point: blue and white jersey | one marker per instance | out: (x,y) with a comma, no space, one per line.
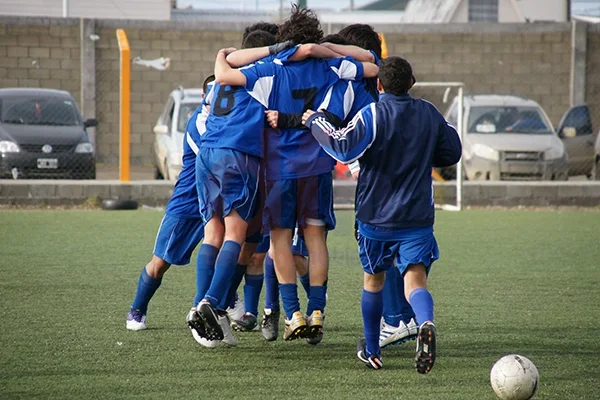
(237,120)
(346,98)
(397,141)
(184,201)
(291,153)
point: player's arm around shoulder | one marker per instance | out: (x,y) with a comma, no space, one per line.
(347,144)
(448,148)
(224,74)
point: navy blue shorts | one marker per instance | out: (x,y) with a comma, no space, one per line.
(227,180)
(177,238)
(298,245)
(417,247)
(299,202)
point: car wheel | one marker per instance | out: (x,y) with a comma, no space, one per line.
(158,174)
(116,204)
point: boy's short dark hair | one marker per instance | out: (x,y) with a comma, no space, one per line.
(260,26)
(363,36)
(301,27)
(258,39)
(208,80)
(335,39)
(395,75)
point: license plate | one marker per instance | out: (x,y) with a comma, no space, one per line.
(47,163)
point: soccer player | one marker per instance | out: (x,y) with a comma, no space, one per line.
(227,174)
(397,142)
(181,228)
(299,187)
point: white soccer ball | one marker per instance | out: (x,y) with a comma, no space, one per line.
(514,377)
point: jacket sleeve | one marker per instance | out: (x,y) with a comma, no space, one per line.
(350,143)
(448,149)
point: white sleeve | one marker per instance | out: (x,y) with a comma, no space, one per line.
(354,167)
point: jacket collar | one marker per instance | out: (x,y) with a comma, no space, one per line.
(402,97)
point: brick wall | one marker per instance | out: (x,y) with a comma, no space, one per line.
(531,60)
(54,49)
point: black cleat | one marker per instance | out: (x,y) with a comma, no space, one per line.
(270,325)
(245,324)
(425,357)
(208,313)
(372,361)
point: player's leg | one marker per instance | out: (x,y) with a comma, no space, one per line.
(280,217)
(398,324)
(270,321)
(417,253)
(254,278)
(376,257)
(316,218)
(300,253)
(231,302)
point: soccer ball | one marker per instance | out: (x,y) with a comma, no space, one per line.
(514,377)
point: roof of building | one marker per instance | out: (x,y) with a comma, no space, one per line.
(379,5)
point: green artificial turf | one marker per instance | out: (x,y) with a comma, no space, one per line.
(507,282)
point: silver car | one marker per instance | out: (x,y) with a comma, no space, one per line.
(509,138)
(170,131)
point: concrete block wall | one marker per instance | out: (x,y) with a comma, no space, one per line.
(593,74)
(53,46)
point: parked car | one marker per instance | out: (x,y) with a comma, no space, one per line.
(596,166)
(576,132)
(170,131)
(42,135)
(508,138)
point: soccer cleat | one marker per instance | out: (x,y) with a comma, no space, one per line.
(390,335)
(136,321)
(212,328)
(237,311)
(371,361)
(246,323)
(225,323)
(269,327)
(315,323)
(425,354)
(196,326)
(295,328)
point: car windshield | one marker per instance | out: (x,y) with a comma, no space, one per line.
(185,112)
(39,111)
(501,119)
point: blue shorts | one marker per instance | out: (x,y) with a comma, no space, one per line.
(177,238)
(227,180)
(298,245)
(299,202)
(418,246)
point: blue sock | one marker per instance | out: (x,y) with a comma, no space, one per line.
(405,308)
(146,288)
(224,271)
(422,303)
(229,300)
(305,281)
(271,285)
(252,290)
(317,299)
(289,296)
(372,309)
(205,268)
(391,298)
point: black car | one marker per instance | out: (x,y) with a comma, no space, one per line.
(42,135)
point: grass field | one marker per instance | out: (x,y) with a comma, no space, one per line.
(507,282)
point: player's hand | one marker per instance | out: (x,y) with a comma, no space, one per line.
(227,50)
(355,175)
(272,117)
(307,115)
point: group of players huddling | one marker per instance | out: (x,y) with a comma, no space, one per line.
(256,189)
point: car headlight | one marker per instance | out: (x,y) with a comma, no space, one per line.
(553,153)
(483,151)
(8,147)
(84,148)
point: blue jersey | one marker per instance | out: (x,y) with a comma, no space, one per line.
(237,119)
(184,201)
(291,153)
(346,98)
(397,141)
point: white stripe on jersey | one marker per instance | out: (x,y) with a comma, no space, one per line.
(326,100)
(191,143)
(201,121)
(262,90)
(348,100)
(347,70)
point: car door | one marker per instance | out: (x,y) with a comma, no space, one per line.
(163,139)
(575,131)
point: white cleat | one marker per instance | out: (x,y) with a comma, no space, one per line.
(396,335)
(136,321)
(237,311)
(225,324)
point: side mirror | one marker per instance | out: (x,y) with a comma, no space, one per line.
(161,129)
(90,123)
